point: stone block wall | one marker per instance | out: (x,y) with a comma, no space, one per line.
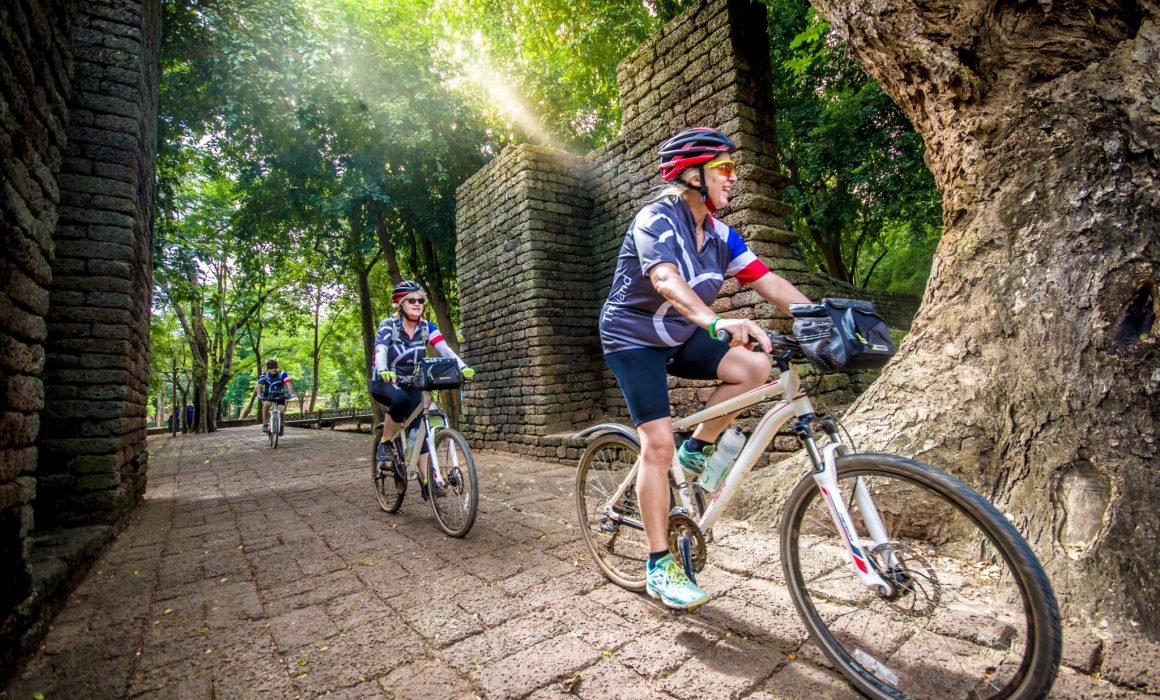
(529,335)
(35,81)
(78,109)
(92,448)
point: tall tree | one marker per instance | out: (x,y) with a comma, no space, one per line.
(1033,369)
(854,163)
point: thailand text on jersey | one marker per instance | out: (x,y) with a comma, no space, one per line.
(636,315)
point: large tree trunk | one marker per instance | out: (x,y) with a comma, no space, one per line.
(1032,368)
(368,326)
(316,349)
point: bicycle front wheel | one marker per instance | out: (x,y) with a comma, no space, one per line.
(456,506)
(971,614)
(389,487)
(613,532)
(275,428)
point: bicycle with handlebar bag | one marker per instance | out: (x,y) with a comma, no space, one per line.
(449,480)
(910,582)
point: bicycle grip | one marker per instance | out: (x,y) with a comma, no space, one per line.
(724,336)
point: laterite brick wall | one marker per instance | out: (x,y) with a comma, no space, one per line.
(78,109)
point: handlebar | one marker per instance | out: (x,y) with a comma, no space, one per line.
(785,347)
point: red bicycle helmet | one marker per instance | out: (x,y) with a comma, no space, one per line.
(695,146)
(402,289)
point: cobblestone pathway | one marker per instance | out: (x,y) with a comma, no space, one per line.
(250,572)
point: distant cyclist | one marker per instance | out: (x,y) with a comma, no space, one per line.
(673,262)
(400,343)
(273,387)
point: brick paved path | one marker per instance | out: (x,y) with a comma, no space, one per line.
(250,572)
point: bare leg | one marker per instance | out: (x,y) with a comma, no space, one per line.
(740,371)
(265,415)
(652,482)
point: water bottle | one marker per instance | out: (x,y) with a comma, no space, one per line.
(728,447)
(412,435)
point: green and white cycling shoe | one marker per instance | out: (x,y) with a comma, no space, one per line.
(667,581)
(693,462)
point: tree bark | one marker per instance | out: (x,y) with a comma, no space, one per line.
(256,344)
(315,347)
(1032,369)
(368,327)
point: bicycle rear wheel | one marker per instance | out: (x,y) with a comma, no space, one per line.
(613,532)
(972,613)
(456,506)
(389,487)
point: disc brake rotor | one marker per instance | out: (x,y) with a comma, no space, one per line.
(917,590)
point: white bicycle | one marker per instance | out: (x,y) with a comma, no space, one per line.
(449,481)
(911,583)
(276,422)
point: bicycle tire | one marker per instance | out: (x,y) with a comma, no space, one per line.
(938,521)
(389,489)
(275,427)
(462,484)
(602,468)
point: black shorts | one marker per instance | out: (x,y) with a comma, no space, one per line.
(642,373)
(399,402)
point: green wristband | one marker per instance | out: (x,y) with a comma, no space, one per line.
(713,327)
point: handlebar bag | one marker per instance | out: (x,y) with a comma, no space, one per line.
(434,373)
(861,339)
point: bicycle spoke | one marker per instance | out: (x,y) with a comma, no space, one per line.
(612,531)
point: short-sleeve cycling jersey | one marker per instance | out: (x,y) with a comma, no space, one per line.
(403,351)
(636,315)
(273,387)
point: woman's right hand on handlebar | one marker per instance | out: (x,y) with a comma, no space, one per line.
(743,332)
(389,376)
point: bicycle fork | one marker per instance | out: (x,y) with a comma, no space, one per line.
(433,459)
(826,477)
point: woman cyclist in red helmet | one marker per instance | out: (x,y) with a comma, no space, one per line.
(657,321)
(401,341)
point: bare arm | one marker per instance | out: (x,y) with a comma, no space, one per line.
(778,291)
(668,281)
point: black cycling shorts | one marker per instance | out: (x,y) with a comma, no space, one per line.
(642,373)
(398,401)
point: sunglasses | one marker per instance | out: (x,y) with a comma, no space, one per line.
(420,301)
(727,167)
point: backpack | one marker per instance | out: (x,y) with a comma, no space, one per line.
(396,334)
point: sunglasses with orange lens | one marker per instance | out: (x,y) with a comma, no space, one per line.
(727,167)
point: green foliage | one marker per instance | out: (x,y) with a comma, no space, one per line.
(549,66)
(861,193)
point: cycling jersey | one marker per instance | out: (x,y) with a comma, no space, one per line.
(636,315)
(273,387)
(397,351)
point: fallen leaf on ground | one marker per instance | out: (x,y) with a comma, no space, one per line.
(570,682)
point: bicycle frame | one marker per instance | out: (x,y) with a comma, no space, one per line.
(793,404)
(415,450)
(281,409)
